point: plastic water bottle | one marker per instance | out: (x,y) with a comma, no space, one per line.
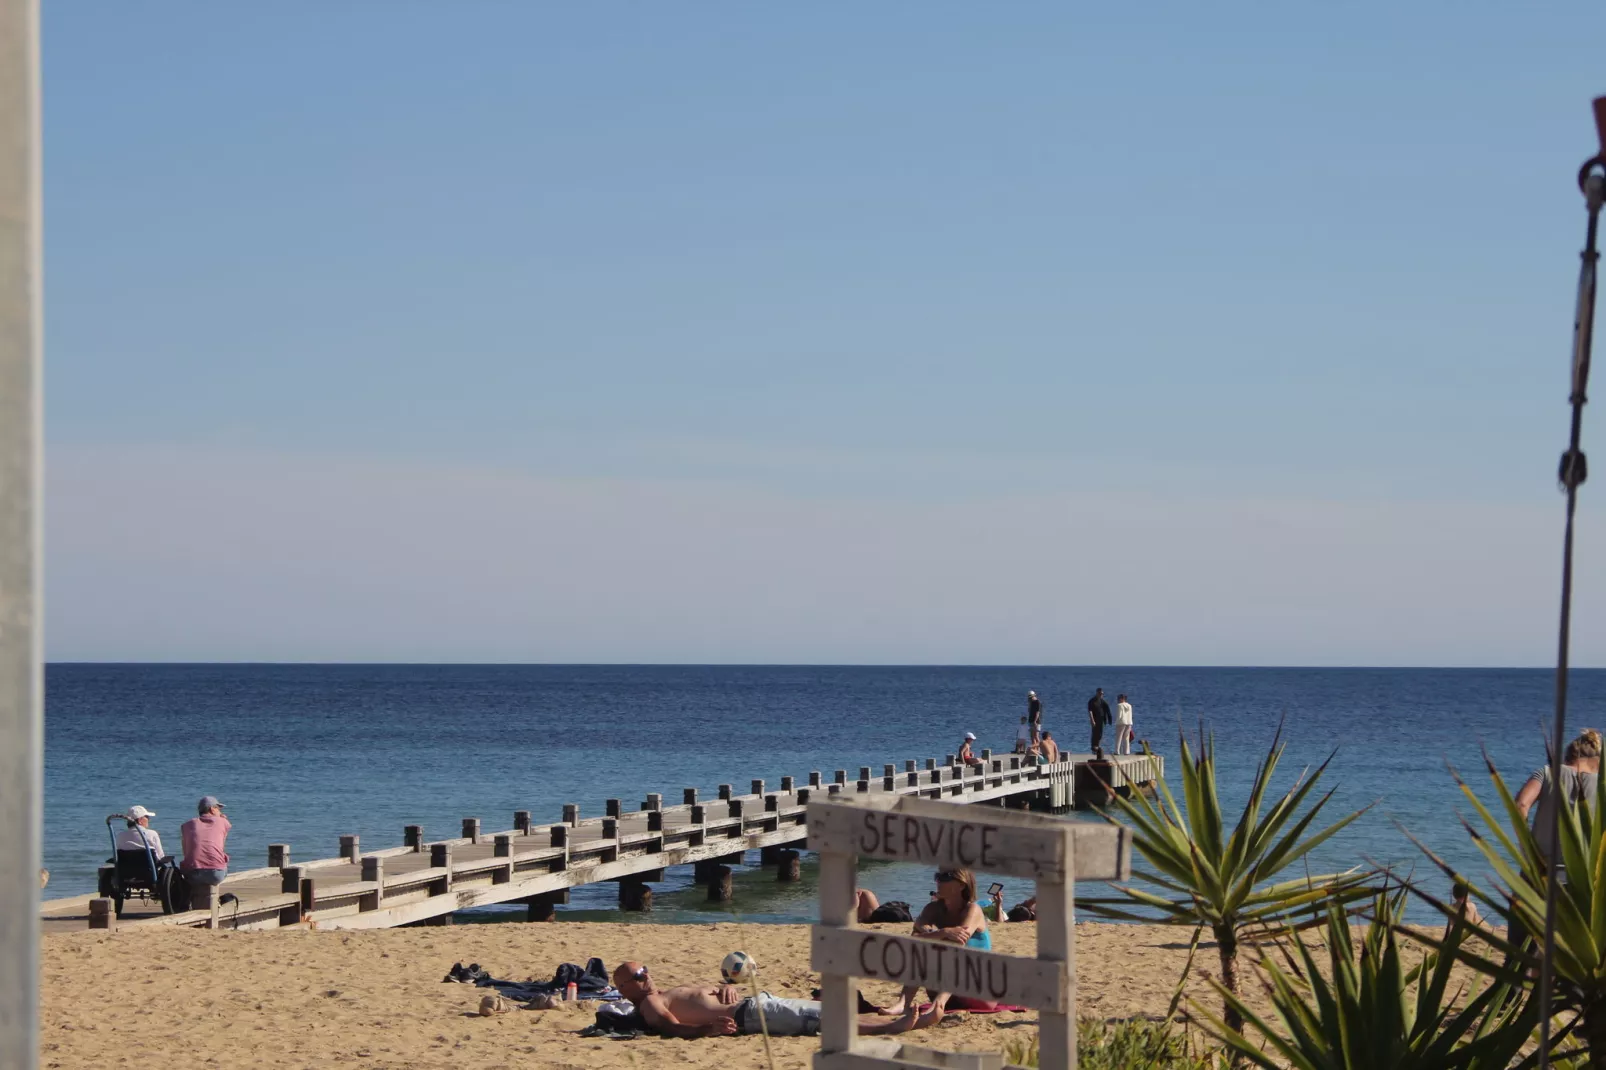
(571,992)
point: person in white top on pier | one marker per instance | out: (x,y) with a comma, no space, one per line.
(1023,737)
(1123,725)
(139,834)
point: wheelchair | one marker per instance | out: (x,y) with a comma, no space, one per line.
(139,874)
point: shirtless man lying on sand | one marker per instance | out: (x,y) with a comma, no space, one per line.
(691,1011)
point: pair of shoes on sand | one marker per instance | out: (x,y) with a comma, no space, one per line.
(466,975)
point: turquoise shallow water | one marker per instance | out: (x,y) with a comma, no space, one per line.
(304,753)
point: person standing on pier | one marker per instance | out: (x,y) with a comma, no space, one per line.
(205,863)
(1098,715)
(1123,725)
(1034,715)
(1025,736)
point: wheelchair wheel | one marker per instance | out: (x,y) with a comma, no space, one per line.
(173,891)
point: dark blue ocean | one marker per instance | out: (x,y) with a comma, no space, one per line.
(303,753)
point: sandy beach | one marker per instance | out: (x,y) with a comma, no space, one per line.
(308,999)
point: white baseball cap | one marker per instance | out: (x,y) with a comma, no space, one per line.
(137,812)
(970,735)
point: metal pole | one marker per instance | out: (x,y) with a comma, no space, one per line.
(21,680)
(1574,470)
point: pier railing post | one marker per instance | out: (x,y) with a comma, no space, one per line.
(758,788)
(814,779)
(471,829)
(373,871)
(787,785)
(613,808)
(571,814)
(688,796)
(351,849)
(521,821)
(413,836)
(724,792)
(653,801)
(278,855)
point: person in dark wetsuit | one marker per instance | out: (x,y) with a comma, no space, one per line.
(1098,715)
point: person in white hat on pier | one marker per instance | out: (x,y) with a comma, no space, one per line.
(139,834)
(966,755)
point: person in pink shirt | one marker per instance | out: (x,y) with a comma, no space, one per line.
(205,863)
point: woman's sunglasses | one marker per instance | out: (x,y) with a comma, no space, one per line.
(946,875)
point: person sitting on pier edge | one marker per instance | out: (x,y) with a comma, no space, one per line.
(1046,750)
(1023,736)
(691,1011)
(1098,715)
(952,916)
(139,835)
(206,862)
(966,756)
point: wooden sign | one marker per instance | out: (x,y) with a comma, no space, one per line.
(941,967)
(925,832)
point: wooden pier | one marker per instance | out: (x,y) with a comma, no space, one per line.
(426,881)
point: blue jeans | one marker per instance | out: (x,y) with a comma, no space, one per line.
(203,886)
(782,1017)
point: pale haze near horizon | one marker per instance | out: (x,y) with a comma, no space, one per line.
(841,335)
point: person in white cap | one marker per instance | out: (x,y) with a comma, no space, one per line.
(139,834)
(966,756)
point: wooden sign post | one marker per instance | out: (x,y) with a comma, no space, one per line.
(1052,852)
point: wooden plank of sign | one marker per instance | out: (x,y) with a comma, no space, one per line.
(878,1054)
(940,966)
(926,832)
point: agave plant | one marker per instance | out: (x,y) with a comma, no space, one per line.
(1222,881)
(1520,867)
(1372,1011)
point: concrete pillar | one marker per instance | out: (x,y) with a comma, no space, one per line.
(471,829)
(351,849)
(278,855)
(100,913)
(787,784)
(521,821)
(688,796)
(613,808)
(571,814)
(724,791)
(413,836)
(758,788)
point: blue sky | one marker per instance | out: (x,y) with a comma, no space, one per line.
(897,332)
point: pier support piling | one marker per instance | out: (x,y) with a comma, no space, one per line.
(635,896)
(719,887)
(789,867)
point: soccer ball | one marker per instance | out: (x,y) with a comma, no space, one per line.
(737,967)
